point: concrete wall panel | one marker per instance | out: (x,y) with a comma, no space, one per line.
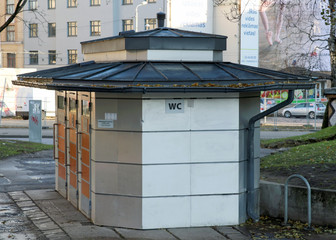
(214,178)
(118,179)
(166,180)
(165,147)
(214,210)
(166,212)
(214,146)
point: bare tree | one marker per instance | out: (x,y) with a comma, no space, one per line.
(18,8)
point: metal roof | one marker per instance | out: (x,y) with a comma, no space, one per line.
(166,38)
(159,76)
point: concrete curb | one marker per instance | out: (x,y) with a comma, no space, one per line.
(323,203)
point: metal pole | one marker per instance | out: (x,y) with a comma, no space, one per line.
(136,14)
(3,100)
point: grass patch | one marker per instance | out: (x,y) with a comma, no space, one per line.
(322,135)
(10,148)
(315,153)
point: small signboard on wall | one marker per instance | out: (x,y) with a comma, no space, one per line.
(35,121)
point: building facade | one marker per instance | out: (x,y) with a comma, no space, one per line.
(54,29)
(11,39)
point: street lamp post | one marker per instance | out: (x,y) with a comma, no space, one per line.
(136,13)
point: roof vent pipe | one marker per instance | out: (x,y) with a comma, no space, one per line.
(161,16)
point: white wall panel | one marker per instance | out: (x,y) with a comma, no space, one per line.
(214,146)
(110,146)
(165,147)
(120,179)
(166,212)
(214,114)
(214,210)
(155,117)
(166,180)
(117,211)
(215,178)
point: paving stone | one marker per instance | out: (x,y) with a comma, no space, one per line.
(78,231)
(201,233)
(49,225)
(4,198)
(227,230)
(25,204)
(43,194)
(38,217)
(144,234)
(19,196)
(237,236)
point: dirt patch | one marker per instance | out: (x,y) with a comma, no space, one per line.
(318,175)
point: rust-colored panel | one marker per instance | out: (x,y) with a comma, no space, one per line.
(73,180)
(86,189)
(85,173)
(61,171)
(72,134)
(73,149)
(85,157)
(73,164)
(61,130)
(61,158)
(85,140)
(72,120)
(61,144)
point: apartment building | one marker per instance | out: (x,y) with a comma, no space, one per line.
(54,29)
(11,39)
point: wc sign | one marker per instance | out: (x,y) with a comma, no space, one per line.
(175,106)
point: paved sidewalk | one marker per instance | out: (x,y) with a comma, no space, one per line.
(56,218)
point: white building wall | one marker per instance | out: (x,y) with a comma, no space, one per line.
(157,169)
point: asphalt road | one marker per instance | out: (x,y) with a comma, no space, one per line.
(28,171)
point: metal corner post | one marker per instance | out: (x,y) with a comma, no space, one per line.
(251,191)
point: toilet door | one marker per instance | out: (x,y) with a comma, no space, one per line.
(72,147)
(84,149)
(60,144)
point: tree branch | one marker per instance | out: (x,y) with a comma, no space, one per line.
(18,8)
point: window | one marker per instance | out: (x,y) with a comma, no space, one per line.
(11,60)
(10,6)
(94,2)
(60,102)
(72,29)
(52,57)
(85,108)
(127,24)
(10,33)
(94,28)
(51,4)
(72,105)
(151,1)
(33,30)
(32,4)
(72,3)
(150,23)
(51,29)
(127,2)
(72,56)
(33,57)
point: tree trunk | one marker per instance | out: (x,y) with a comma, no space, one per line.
(332,42)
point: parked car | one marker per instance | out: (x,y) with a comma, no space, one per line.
(269,103)
(305,109)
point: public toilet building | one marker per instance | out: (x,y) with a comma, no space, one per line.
(155,130)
